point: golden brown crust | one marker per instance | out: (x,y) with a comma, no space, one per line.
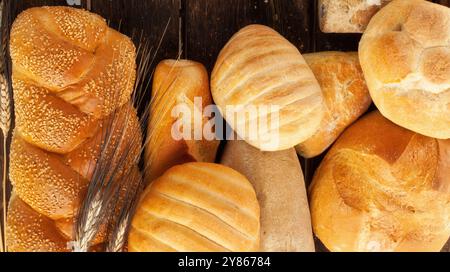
(176,82)
(197,207)
(28,230)
(259,67)
(87,64)
(280,188)
(405,56)
(72,79)
(345,93)
(382,188)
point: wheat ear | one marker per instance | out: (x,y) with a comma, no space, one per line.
(5,123)
(89,232)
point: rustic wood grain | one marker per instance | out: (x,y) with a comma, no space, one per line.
(148,17)
(209,24)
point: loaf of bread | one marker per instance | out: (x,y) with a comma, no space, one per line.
(197,207)
(347,16)
(176,83)
(72,80)
(405,57)
(382,188)
(265,90)
(346,97)
(278,181)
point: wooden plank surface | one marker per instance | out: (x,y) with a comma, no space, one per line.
(209,24)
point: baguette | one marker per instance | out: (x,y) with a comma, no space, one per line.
(177,82)
(278,181)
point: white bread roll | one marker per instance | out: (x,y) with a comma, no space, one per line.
(197,207)
(278,181)
(405,57)
(382,188)
(258,67)
(346,97)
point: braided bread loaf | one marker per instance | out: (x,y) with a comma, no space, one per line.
(72,80)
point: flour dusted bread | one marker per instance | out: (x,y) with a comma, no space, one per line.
(197,207)
(72,80)
(178,83)
(259,68)
(278,181)
(405,56)
(345,93)
(347,16)
(382,188)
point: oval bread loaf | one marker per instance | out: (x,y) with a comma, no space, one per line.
(259,68)
(197,207)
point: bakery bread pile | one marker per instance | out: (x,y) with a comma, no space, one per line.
(72,78)
(384,182)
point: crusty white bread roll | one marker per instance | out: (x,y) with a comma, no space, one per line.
(382,188)
(405,56)
(258,67)
(347,16)
(345,93)
(177,82)
(72,80)
(280,188)
(197,207)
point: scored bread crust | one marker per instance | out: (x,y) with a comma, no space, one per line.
(382,188)
(258,67)
(197,207)
(176,83)
(405,57)
(345,93)
(72,80)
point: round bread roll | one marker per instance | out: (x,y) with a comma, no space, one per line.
(405,56)
(382,188)
(197,207)
(346,97)
(277,102)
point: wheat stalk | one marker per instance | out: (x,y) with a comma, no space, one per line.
(5,125)
(88,231)
(116,243)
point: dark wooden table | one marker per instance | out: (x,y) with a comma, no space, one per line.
(198,29)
